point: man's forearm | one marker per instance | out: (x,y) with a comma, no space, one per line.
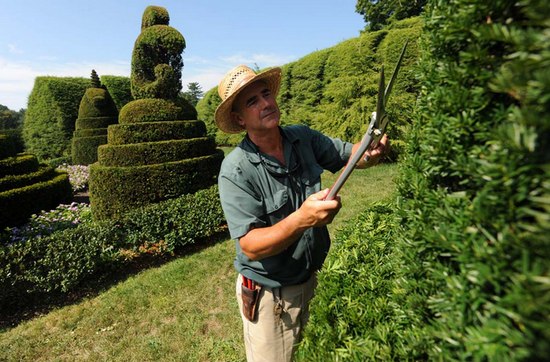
(264,242)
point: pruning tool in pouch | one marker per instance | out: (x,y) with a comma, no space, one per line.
(376,129)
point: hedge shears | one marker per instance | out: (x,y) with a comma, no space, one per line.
(376,129)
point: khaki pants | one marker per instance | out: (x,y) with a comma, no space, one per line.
(282,314)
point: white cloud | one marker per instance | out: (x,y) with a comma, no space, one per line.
(17,78)
(13,49)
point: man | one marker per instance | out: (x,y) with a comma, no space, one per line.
(271,195)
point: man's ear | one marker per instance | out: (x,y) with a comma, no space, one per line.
(236,118)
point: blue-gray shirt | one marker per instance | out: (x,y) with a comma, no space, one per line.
(257,191)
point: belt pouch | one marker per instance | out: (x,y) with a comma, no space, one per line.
(250,301)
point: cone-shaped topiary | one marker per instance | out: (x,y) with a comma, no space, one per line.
(27,187)
(97,110)
(158,150)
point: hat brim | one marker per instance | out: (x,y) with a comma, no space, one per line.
(271,77)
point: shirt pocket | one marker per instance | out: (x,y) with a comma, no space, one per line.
(312,179)
(275,204)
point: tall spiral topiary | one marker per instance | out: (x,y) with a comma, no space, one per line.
(27,187)
(97,111)
(158,150)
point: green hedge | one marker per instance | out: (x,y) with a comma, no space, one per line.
(470,255)
(154,131)
(16,205)
(361,309)
(18,165)
(51,113)
(84,149)
(115,190)
(119,89)
(156,110)
(334,90)
(148,153)
(94,122)
(90,132)
(64,260)
(44,173)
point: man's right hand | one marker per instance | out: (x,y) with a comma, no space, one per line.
(316,211)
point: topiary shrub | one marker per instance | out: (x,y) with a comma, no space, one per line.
(97,110)
(26,187)
(158,150)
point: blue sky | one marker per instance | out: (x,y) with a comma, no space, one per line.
(72,37)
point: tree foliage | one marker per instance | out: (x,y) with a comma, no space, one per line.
(193,94)
(378,13)
(10,119)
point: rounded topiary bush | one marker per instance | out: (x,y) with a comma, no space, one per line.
(156,110)
(97,110)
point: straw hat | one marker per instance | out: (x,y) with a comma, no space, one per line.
(234,82)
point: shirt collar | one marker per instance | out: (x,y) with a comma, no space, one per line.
(252,151)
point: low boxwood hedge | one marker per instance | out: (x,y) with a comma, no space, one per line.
(17,204)
(16,181)
(62,261)
(20,164)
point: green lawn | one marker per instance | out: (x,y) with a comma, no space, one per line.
(184,310)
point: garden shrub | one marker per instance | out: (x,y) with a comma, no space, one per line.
(27,187)
(119,89)
(96,112)
(145,162)
(469,276)
(71,248)
(50,117)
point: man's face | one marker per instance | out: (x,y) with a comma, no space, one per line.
(256,109)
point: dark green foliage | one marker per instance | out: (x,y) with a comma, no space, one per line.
(60,262)
(18,165)
(43,173)
(86,123)
(148,153)
(379,13)
(84,148)
(95,82)
(15,141)
(119,89)
(96,112)
(154,131)
(10,119)
(146,162)
(115,190)
(16,205)
(362,307)
(156,110)
(156,59)
(51,114)
(468,273)
(193,94)
(334,90)
(206,108)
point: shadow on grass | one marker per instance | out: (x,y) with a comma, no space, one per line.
(40,304)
